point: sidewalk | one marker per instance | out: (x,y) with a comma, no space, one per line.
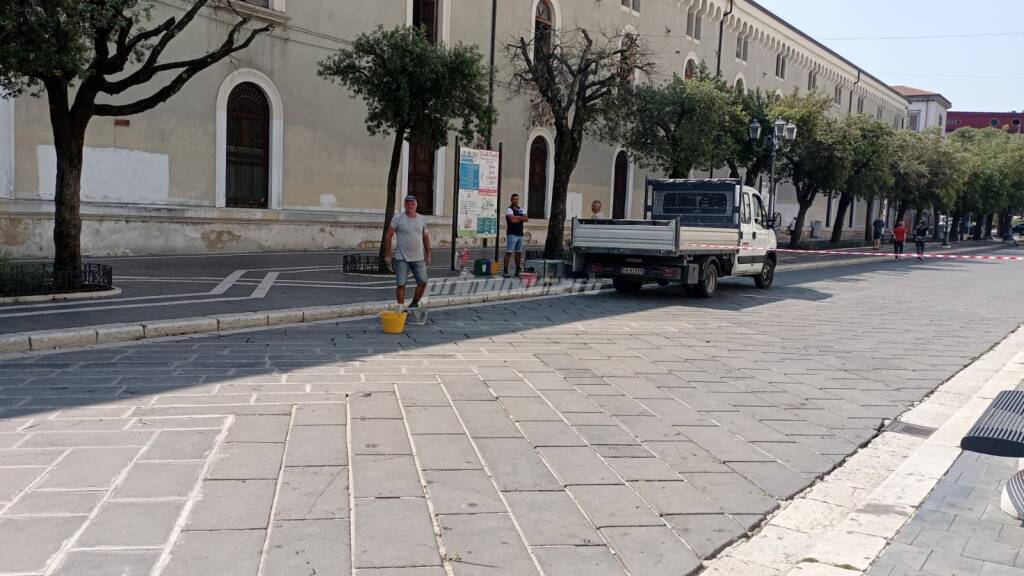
(910,503)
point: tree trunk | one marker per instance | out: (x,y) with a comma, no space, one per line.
(901,213)
(567,151)
(936,234)
(798,227)
(389,206)
(68,143)
(869,221)
(979,227)
(987,232)
(837,228)
(734,170)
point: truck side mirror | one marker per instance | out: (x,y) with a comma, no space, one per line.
(777,221)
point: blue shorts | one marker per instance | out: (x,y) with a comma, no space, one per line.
(513,243)
(419,271)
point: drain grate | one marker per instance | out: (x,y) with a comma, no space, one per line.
(909,429)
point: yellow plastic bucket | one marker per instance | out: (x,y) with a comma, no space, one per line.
(392,322)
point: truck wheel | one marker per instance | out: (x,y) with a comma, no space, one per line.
(625,286)
(707,285)
(766,277)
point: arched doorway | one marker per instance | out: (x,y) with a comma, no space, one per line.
(620,185)
(537,179)
(690,70)
(248,147)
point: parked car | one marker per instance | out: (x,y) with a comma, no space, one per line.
(1019,229)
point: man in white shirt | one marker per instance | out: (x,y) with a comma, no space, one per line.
(595,211)
(412,251)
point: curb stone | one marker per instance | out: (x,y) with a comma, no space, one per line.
(78,337)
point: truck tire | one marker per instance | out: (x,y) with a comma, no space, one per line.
(766,277)
(707,284)
(626,286)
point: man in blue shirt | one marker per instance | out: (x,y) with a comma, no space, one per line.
(514,218)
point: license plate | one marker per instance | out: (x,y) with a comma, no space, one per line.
(632,271)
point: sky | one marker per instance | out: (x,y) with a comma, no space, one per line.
(973,54)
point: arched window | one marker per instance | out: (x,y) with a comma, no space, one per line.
(740,87)
(537,178)
(248,147)
(780,66)
(543,26)
(620,185)
(812,81)
(838,96)
(690,70)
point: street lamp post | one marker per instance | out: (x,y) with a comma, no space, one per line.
(781,131)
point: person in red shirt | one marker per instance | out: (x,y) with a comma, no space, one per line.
(899,238)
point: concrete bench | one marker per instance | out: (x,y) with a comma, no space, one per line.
(999,431)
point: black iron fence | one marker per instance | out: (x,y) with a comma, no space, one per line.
(35,278)
(364,264)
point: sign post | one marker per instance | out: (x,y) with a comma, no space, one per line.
(498,215)
(475,205)
(455,206)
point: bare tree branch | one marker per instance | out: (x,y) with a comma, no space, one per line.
(191,69)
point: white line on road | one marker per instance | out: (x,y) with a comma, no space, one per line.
(226,284)
(265,285)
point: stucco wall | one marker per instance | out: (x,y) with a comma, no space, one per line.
(328,164)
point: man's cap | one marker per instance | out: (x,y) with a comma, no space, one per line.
(409,198)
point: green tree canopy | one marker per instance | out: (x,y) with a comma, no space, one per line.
(413,90)
(678,126)
(871,144)
(820,159)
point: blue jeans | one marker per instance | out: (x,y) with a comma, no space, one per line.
(513,243)
(419,271)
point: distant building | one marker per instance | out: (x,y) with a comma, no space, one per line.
(927,109)
(1009,121)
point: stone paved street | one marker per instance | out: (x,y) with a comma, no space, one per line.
(576,435)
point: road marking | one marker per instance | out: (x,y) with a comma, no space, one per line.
(226,284)
(265,285)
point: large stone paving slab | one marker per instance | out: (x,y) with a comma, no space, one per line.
(584,435)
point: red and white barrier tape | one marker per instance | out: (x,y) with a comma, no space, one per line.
(878,254)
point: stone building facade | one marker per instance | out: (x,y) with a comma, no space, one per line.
(259,154)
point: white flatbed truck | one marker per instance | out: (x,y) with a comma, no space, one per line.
(694,232)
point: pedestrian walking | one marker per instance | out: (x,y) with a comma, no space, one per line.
(878,227)
(899,238)
(920,237)
(411,252)
(791,227)
(514,218)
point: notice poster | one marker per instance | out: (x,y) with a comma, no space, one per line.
(478,193)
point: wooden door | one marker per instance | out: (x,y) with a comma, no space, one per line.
(421,176)
(620,190)
(248,148)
